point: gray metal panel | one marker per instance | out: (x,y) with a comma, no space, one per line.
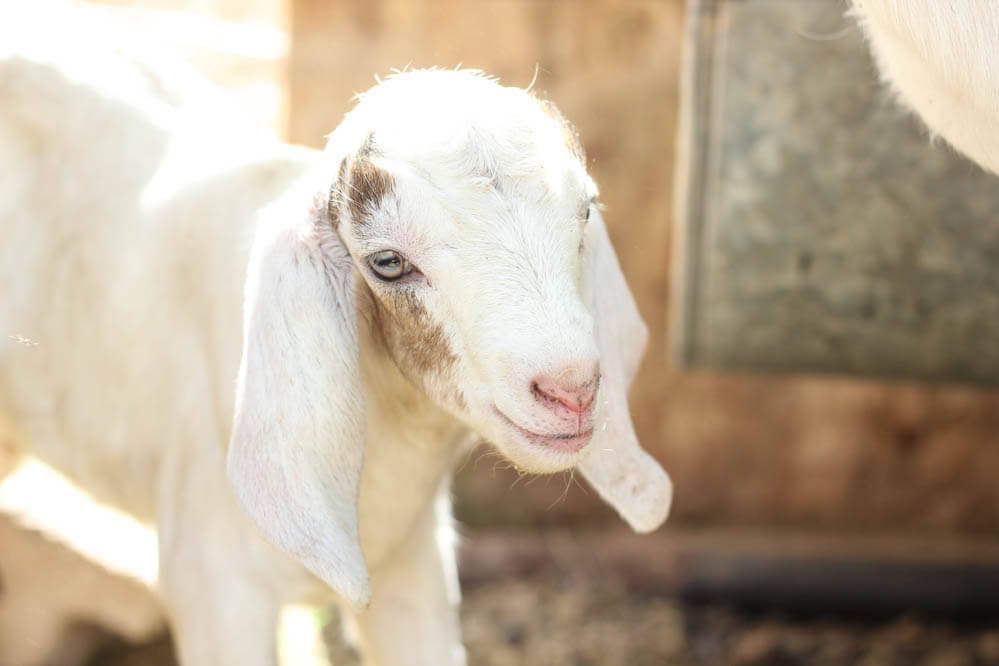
(818,228)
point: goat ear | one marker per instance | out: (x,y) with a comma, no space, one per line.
(296,453)
(624,475)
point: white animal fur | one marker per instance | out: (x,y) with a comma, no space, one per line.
(45,587)
(942,59)
(138,229)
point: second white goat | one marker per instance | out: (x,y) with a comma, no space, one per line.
(942,60)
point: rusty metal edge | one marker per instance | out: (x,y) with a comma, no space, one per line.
(691,177)
(812,572)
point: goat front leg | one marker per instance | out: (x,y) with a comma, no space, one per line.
(215,573)
(413,616)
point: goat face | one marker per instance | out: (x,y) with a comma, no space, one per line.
(467,220)
(457,217)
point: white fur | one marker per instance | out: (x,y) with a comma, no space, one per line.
(45,587)
(942,58)
(143,232)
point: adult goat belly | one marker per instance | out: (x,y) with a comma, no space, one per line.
(942,60)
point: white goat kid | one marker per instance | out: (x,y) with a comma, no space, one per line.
(439,274)
(942,59)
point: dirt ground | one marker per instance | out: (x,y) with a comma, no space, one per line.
(559,618)
(556,618)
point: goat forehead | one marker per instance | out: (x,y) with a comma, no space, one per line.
(463,120)
(455,224)
(448,106)
(470,166)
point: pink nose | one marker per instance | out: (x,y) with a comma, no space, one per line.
(569,393)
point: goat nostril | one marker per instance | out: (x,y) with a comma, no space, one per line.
(575,397)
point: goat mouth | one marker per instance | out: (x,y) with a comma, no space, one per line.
(563,442)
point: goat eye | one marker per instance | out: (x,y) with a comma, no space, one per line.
(586,218)
(389,264)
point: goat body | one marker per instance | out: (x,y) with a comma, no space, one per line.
(942,60)
(142,229)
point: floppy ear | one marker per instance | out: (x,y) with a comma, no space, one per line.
(624,475)
(295,457)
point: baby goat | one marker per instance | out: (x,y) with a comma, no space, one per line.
(440,274)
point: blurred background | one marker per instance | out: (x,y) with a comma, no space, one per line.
(821,287)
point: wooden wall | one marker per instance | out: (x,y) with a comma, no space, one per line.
(775,450)
(241,45)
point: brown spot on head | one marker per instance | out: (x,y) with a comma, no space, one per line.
(415,342)
(367,185)
(360,186)
(335,201)
(569,133)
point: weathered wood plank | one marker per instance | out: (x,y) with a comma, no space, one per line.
(822,230)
